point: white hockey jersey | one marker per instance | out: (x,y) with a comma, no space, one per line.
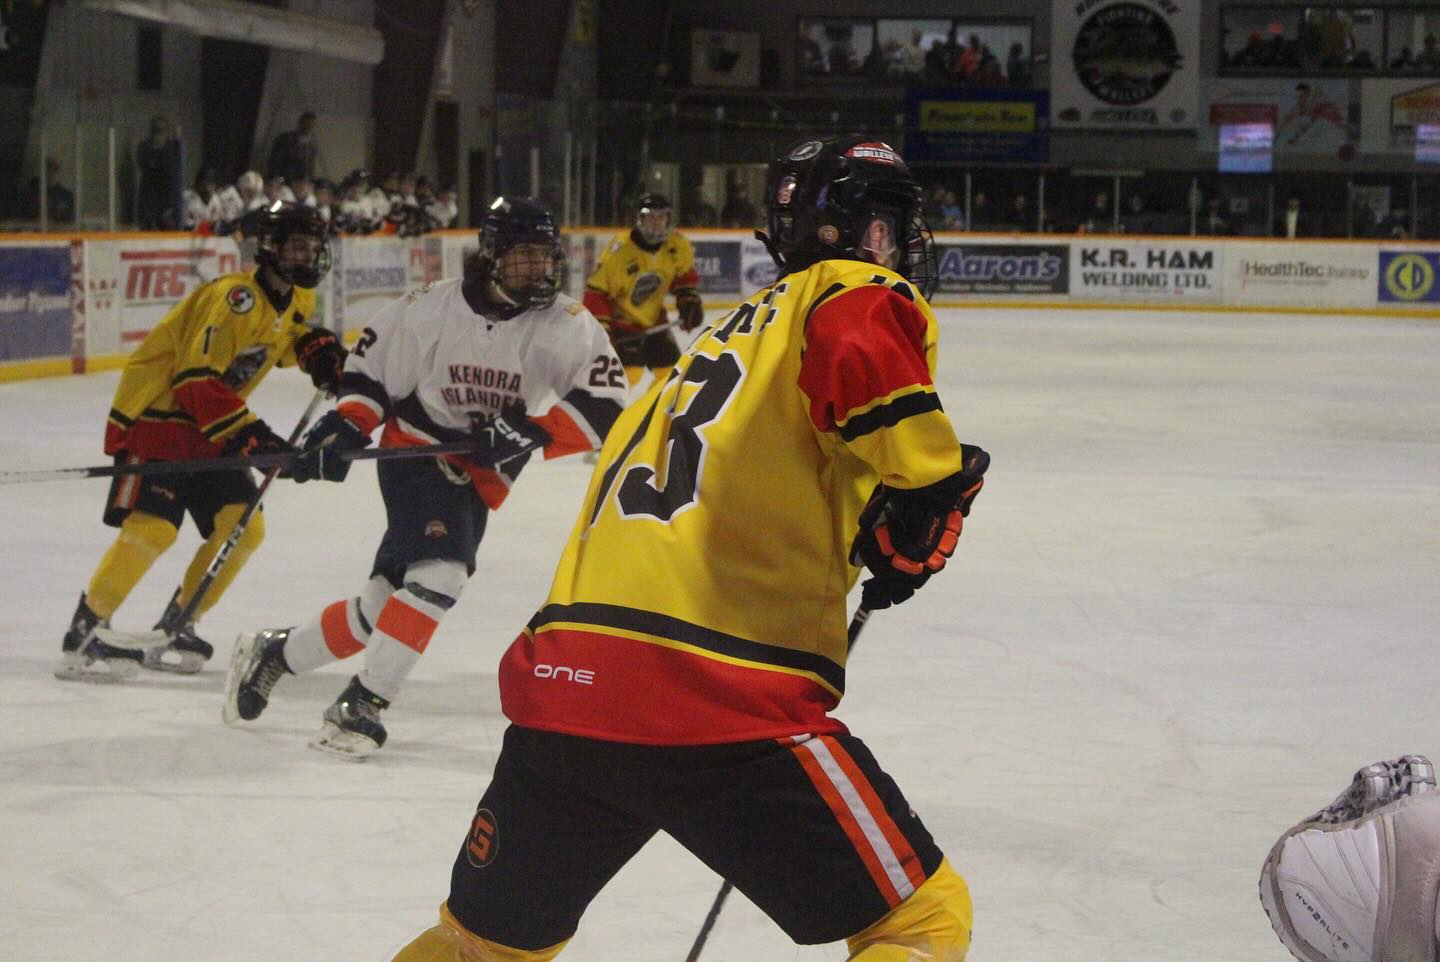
(432,370)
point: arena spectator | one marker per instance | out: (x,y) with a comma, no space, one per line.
(1017,66)
(444,210)
(1214,222)
(158,157)
(951,214)
(59,200)
(292,154)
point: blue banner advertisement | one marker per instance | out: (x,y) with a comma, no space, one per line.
(1004,269)
(34,302)
(966,125)
(1410,277)
(718,263)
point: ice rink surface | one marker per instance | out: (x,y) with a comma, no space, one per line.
(1198,592)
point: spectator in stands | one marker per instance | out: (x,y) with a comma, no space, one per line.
(292,154)
(277,191)
(59,200)
(1136,219)
(697,211)
(912,56)
(325,200)
(304,191)
(988,74)
(445,209)
(1021,217)
(204,207)
(251,188)
(1099,219)
(158,157)
(737,212)
(982,215)
(1213,222)
(1429,58)
(1291,223)
(1396,225)
(1017,66)
(950,215)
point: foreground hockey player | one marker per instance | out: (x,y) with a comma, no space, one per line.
(181,396)
(452,361)
(627,289)
(681,674)
(1358,880)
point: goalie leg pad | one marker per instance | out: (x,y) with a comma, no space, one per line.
(932,925)
(451,942)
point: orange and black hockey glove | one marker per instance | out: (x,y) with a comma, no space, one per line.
(321,355)
(255,438)
(906,536)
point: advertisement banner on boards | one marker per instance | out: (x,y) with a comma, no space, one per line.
(1409,277)
(1004,269)
(377,270)
(718,264)
(1300,275)
(757,267)
(1126,64)
(131,284)
(1145,270)
(34,301)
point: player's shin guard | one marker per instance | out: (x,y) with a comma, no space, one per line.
(408,621)
(932,925)
(451,942)
(142,539)
(225,521)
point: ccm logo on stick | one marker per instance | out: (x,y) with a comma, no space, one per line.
(580,676)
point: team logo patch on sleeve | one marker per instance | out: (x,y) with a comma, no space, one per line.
(436,529)
(240,299)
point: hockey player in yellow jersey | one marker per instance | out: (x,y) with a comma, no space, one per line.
(626,292)
(182,396)
(681,675)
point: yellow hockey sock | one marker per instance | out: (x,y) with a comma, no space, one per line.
(932,925)
(250,539)
(450,942)
(142,539)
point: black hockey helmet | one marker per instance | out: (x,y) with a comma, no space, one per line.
(652,203)
(278,223)
(848,196)
(513,221)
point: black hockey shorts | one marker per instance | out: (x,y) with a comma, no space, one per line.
(169,496)
(431,515)
(811,830)
(650,350)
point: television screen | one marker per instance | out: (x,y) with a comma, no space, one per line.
(1246,148)
(1427,143)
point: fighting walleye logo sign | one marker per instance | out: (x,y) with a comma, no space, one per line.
(1126,63)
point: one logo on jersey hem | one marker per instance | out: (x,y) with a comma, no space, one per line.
(483,843)
(436,529)
(240,299)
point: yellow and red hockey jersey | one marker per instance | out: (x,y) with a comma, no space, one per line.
(183,391)
(701,597)
(627,289)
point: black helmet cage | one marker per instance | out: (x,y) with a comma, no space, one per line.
(845,183)
(277,225)
(520,220)
(653,202)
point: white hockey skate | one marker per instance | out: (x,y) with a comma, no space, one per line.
(352,729)
(87,657)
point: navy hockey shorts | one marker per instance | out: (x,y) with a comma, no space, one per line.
(650,351)
(170,496)
(809,829)
(430,517)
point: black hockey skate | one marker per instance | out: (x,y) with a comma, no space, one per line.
(85,657)
(257,663)
(184,651)
(352,725)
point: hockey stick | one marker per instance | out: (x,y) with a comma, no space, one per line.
(857,624)
(258,461)
(624,337)
(217,563)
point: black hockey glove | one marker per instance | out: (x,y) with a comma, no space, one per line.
(320,458)
(906,536)
(255,438)
(321,355)
(507,435)
(690,309)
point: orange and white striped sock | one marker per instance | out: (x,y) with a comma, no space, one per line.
(407,623)
(340,630)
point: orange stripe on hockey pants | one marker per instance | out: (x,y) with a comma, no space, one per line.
(335,626)
(411,628)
